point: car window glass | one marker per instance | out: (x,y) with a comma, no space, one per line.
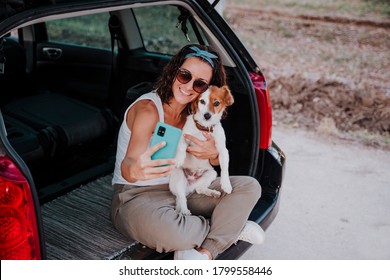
(161,31)
(14,33)
(88,31)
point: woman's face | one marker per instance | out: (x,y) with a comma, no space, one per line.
(184,92)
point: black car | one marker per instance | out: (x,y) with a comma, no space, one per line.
(68,70)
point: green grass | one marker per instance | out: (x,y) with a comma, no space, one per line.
(377,6)
(286,31)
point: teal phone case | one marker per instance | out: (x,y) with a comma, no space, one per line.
(171,135)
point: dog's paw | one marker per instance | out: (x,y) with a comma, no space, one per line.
(215,194)
(226,186)
(183,210)
(208,192)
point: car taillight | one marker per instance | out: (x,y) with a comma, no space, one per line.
(265,109)
(19,237)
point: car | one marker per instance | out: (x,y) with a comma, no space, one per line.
(68,70)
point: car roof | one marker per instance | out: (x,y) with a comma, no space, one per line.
(12,8)
(37,11)
(16,13)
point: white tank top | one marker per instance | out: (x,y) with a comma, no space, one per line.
(124,139)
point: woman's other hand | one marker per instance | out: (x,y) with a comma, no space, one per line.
(203,149)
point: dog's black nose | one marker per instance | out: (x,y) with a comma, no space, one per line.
(207,116)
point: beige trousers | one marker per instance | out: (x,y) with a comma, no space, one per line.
(147,214)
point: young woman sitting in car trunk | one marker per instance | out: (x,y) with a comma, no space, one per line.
(143,208)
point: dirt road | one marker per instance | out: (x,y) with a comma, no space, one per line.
(328,72)
(335,201)
(329,77)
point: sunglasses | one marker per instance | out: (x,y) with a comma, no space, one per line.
(184,76)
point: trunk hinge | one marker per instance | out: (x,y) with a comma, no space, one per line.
(182,23)
(215,3)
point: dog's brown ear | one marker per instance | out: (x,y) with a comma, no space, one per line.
(229,100)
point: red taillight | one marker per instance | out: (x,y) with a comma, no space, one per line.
(19,237)
(265,109)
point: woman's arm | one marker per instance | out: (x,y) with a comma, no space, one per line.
(137,163)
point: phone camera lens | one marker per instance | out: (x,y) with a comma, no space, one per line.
(161,131)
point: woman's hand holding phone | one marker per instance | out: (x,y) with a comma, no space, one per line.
(159,159)
(146,168)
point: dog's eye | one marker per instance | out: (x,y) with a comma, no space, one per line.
(202,102)
(216,103)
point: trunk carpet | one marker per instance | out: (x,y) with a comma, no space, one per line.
(77,225)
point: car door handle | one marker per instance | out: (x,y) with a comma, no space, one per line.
(52,53)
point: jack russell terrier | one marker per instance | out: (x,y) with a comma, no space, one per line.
(193,174)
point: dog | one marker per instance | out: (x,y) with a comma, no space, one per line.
(193,174)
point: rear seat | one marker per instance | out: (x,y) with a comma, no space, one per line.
(65,121)
(26,141)
(73,121)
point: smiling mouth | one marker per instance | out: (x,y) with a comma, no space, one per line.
(184,93)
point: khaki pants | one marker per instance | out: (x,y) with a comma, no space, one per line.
(147,214)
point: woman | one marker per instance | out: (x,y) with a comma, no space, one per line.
(143,208)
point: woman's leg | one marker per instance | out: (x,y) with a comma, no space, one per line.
(228,213)
(148,215)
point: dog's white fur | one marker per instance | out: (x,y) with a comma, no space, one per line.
(193,174)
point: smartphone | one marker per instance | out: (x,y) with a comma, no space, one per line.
(171,135)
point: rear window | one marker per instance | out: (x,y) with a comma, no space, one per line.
(161,28)
(88,31)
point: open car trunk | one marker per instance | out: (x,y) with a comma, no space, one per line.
(62,101)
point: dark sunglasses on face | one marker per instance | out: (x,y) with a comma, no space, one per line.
(184,76)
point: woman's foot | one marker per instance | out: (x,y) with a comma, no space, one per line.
(252,233)
(192,254)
